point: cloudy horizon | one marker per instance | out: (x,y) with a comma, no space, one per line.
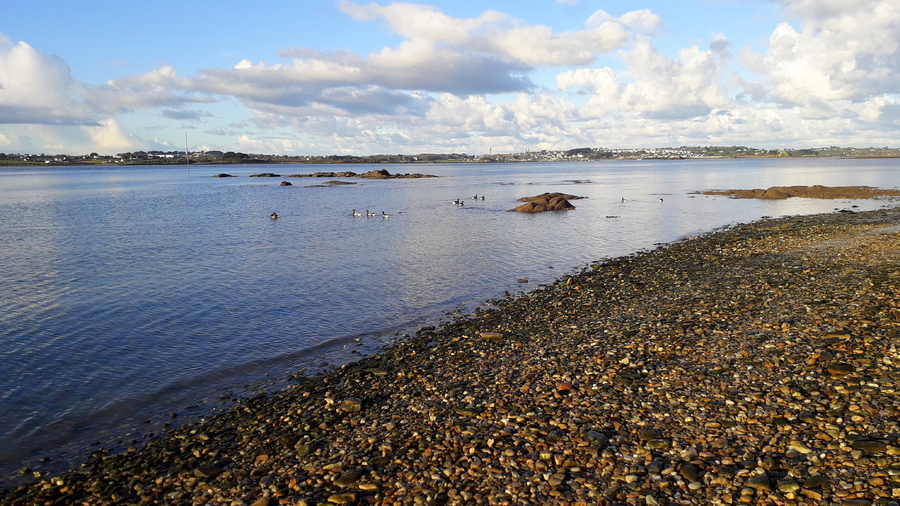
(354,77)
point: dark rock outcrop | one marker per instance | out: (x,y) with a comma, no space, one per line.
(546,202)
(377,174)
(345,173)
(372,174)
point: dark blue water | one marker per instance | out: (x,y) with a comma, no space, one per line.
(129,293)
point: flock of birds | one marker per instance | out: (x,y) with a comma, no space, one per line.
(623,199)
(384,215)
(459,202)
(354,212)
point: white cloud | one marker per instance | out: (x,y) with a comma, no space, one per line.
(382,81)
(842,51)
(827,73)
(655,85)
(104,136)
(495,33)
(108,137)
(161,87)
(540,46)
(473,114)
(489,54)
(420,65)
(601,86)
(37,88)
(267,144)
(416,21)
(667,87)
(818,13)
(643,21)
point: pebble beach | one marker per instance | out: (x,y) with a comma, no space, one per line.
(758,364)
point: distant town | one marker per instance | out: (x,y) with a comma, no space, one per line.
(578,154)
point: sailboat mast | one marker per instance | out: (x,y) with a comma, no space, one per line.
(187,154)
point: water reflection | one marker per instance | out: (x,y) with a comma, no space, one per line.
(134,292)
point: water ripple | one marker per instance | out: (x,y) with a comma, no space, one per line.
(128,296)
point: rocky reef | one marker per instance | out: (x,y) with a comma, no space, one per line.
(372,174)
(815,192)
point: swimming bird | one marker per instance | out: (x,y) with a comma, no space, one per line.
(475,197)
(383,215)
(482,197)
(369,213)
(274,216)
(660,200)
(456,201)
(355,213)
(623,199)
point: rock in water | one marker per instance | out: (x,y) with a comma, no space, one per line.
(546,202)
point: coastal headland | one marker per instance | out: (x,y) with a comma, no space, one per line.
(755,365)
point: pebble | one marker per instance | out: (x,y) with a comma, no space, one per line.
(347,498)
(755,365)
(349,478)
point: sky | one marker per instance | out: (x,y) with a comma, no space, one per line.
(351,77)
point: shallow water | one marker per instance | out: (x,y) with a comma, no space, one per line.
(129,293)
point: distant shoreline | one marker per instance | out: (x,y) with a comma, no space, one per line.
(181,162)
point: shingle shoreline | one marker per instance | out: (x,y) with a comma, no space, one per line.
(754,365)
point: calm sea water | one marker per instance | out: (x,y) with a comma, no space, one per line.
(130,293)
